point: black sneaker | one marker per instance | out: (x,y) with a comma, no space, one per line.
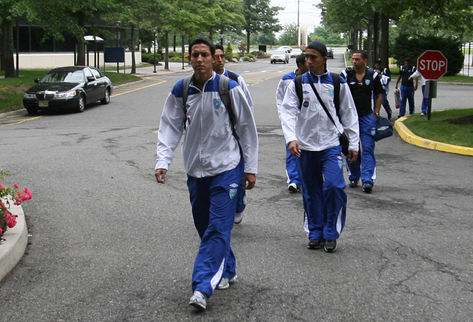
(315,244)
(367,187)
(353,183)
(292,187)
(330,246)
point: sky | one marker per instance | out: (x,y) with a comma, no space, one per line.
(309,13)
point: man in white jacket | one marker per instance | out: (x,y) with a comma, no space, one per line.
(314,139)
(213,162)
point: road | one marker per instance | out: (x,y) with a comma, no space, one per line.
(110,244)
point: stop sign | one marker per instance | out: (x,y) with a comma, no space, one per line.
(432,64)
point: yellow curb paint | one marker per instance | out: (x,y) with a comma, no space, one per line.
(139,88)
(413,139)
(22,121)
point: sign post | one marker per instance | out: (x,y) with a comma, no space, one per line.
(432,65)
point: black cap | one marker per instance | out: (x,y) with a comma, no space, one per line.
(319,46)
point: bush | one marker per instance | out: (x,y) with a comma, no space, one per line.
(249,57)
(229,52)
(414,47)
(149,58)
(257,53)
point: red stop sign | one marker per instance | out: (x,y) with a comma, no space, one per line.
(432,64)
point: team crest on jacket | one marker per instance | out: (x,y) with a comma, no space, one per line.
(367,82)
(217,103)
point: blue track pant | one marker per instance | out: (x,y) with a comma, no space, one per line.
(407,94)
(425,101)
(323,192)
(365,166)
(291,168)
(214,202)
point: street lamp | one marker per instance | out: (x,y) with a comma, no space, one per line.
(154,45)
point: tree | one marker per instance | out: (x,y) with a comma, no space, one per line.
(327,36)
(289,35)
(259,16)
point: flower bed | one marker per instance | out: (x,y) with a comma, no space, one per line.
(8,197)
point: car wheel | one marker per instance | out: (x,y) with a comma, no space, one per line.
(80,104)
(32,110)
(106,97)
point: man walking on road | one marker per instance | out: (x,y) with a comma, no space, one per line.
(292,174)
(219,68)
(407,86)
(364,84)
(314,139)
(213,161)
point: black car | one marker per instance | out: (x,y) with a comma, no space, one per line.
(70,87)
(330,53)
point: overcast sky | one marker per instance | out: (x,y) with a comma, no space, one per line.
(309,13)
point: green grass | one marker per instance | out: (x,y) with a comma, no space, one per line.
(12,89)
(439,129)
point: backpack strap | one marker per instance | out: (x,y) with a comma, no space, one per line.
(299,89)
(225,97)
(336,92)
(185,91)
(233,76)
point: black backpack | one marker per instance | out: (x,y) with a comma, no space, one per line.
(336,94)
(224,96)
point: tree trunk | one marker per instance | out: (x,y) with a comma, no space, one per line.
(369,42)
(133,59)
(166,49)
(247,42)
(384,48)
(7,48)
(375,37)
(81,43)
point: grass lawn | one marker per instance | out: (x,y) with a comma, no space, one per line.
(451,126)
(12,89)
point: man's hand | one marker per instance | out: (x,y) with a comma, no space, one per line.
(249,180)
(352,156)
(160,175)
(294,148)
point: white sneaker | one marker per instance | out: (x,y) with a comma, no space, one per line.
(238,217)
(225,283)
(199,301)
(292,187)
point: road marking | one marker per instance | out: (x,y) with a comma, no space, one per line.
(139,88)
(15,122)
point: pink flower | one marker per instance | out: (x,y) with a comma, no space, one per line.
(2,186)
(16,186)
(16,197)
(11,221)
(1,231)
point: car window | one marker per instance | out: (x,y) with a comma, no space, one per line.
(64,77)
(96,73)
(88,73)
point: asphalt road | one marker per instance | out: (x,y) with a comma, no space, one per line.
(110,244)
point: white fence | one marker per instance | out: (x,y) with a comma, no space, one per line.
(54,59)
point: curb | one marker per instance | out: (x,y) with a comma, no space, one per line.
(14,246)
(409,137)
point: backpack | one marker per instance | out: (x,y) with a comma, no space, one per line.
(224,96)
(336,93)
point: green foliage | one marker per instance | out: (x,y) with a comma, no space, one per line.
(249,57)
(406,46)
(229,52)
(149,58)
(327,36)
(289,35)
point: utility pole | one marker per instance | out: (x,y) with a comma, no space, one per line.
(298,26)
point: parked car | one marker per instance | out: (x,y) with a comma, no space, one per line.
(280,56)
(286,48)
(70,87)
(330,53)
(296,52)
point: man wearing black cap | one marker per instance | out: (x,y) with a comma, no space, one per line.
(314,139)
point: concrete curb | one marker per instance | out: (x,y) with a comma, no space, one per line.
(409,137)
(16,240)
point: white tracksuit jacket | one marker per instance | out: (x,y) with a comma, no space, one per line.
(209,146)
(310,125)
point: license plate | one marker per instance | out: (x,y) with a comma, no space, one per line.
(43,103)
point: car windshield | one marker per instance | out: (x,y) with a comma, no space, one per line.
(279,52)
(64,77)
